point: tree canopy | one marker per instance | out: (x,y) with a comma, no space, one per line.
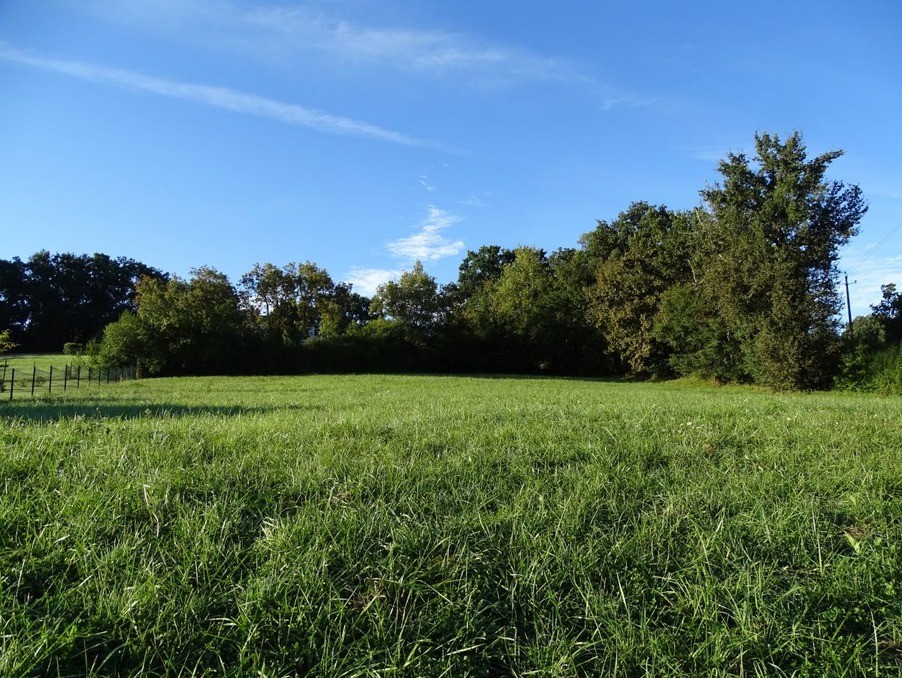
(742,288)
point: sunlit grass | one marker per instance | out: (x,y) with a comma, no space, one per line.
(43,361)
(441,525)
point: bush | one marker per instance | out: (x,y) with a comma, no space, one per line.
(886,371)
(73,348)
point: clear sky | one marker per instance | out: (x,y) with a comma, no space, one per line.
(365,134)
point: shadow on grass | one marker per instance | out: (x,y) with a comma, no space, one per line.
(49,410)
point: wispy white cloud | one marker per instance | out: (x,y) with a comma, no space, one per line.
(424,182)
(712,154)
(473,201)
(217,97)
(288,32)
(367,280)
(428,243)
(612,101)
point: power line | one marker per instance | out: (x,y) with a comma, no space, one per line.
(882,240)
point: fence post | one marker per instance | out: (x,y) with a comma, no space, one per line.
(78,376)
(34,374)
(50,381)
(12,384)
(65,377)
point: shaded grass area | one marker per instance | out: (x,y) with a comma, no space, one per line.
(444,525)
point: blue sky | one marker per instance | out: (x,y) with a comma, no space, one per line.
(365,134)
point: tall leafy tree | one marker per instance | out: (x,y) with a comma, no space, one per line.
(414,304)
(889,312)
(479,268)
(291,303)
(180,326)
(640,255)
(50,299)
(767,260)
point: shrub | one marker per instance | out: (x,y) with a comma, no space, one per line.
(73,348)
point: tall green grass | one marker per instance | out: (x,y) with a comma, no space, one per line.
(361,525)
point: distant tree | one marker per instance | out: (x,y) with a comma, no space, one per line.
(889,312)
(13,297)
(6,342)
(413,304)
(481,267)
(298,301)
(643,253)
(574,342)
(180,327)
(51,299)
(765,267)
(342,311)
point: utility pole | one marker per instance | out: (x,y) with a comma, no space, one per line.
(848,306)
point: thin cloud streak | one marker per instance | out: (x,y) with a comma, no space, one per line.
(428,244)
(284,33)
(216,97)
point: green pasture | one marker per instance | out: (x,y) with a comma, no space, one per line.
(420,526)
(24,362)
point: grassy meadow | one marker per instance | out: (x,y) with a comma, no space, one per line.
(414,525)
(23,362)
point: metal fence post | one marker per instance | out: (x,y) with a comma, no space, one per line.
(34,374)
(65,377)
(50,381)
(78,376)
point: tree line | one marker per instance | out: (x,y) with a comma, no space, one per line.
(49,299)
(740,289)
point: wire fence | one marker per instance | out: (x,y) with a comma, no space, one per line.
(34,382)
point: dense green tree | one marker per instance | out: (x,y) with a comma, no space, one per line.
(889,312)
(342,311)
(6,342)
(413,304)
(181,326)
(481,267)
(516,305)
(299,301)
(50,299)
(13,297)
(764,266)
(639,256)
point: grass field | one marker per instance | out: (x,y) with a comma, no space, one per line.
(369,525)
(43,361)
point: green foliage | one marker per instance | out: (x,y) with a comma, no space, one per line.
(517,304)
(180,326)
(52,298)
(886,371)
(701,345)
(889,312)
(6,342)
(73,348)
(413,302)
(449,526)
(640,255)
(765,263)
(297,302)
(481,267)
(860,345)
